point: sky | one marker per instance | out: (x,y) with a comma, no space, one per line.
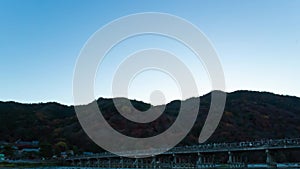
(258,44)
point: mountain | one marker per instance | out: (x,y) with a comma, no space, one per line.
(248,115)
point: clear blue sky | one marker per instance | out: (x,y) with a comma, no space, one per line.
(258,42)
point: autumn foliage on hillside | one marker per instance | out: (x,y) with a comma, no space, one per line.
(248,116)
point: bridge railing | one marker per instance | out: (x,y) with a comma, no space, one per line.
(236,145)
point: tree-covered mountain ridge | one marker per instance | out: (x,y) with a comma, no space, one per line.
(248,115)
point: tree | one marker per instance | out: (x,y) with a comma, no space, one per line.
(75,150)
(60,147)
(8,151)
(46,150)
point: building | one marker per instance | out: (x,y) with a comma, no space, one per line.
(21,143)
(27,149)
(30,150)
(2,157)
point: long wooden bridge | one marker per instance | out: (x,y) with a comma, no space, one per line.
(197,156)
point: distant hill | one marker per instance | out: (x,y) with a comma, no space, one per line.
(248,115)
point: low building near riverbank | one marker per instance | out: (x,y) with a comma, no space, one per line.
(2,157)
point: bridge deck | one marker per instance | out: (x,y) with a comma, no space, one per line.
(209,148)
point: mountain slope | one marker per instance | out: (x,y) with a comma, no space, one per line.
(248,115)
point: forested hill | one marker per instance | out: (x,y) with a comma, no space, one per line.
(248,115)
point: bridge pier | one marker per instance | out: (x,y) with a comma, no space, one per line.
(153,162)
(204,162)
(136,163)
(79,163)
(200,158)
(235,161)
(109,163)
(98,163)
(174,161)
(200,162)
(73,162)
(122,162)
(87,163)
(269,159)
(229,157)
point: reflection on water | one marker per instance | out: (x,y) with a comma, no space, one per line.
(256,167)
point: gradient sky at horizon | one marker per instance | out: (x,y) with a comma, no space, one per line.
(258,43)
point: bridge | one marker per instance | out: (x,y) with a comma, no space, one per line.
(212,155)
